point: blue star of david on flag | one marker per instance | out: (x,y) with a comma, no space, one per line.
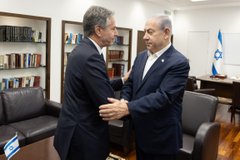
(218,56)
(12,147)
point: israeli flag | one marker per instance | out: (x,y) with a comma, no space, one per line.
(218,57)
(12,147)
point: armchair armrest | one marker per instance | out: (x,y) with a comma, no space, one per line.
(210,91)
(206,141)
(53,108)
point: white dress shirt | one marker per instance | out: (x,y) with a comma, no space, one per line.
(97,46)
(152,58)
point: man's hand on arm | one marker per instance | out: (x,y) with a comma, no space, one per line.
(126,76)
(116,109)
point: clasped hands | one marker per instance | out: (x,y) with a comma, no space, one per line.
(116,109)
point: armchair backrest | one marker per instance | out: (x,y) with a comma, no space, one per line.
(1,112)
(236,97)
(191,84)
(23,103)
(197,108)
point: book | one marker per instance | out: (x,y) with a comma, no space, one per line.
(37,59)
(5,83)
(110,72)
(66,54)
(66,36)
(115,54)
(1,61)
(119,40)
(5,62)
(2,33)
(79,38)
(36,81)
(13,60)
(118,69)
(70,36)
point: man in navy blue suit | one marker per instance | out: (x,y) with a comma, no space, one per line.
(153,94)
(81,133)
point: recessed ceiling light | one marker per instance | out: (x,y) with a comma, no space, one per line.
(198,0)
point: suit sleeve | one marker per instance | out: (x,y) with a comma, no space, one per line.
(96,81)
(116,84)
(126,92)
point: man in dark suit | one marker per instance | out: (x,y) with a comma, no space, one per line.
(81,133)
(153,94)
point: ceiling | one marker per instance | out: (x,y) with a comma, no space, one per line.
(187,4)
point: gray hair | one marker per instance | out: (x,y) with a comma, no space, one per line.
(95,15)
(164,22)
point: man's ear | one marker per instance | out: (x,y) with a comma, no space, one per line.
(167,33)
(97,29)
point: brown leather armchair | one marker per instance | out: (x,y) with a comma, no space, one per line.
(200,132)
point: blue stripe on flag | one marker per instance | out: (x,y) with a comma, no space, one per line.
(214,71)
(13,152)
(10,142)
(218,56)
(220,37)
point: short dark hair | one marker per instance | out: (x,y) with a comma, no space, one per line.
(95,15)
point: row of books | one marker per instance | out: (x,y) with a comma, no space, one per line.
(20,60)
(17,82)
(73,38)
(117,70)
(19,34)
(119,40)
(115,54)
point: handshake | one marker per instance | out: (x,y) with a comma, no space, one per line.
(116,109)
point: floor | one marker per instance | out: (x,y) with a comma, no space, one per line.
(229,144)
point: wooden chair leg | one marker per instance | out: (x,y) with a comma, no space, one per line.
(233,114)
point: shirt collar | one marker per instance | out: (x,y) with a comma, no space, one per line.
(159,53)
(97,46)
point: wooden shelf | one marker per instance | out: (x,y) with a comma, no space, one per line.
(124,50)
(42,24)
(67,27)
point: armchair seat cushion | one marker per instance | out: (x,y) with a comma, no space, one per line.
(37,128)
(187,149)
(6,133)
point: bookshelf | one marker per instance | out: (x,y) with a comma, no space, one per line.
(118,56)
(25,51)
(71,36)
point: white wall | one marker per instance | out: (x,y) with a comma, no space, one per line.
(195,31)
(195,35)
(129,14)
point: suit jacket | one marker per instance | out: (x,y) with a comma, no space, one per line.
(86,87)
(155,103)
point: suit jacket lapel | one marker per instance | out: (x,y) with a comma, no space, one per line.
(89,42)
(157,65)
(141,68)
